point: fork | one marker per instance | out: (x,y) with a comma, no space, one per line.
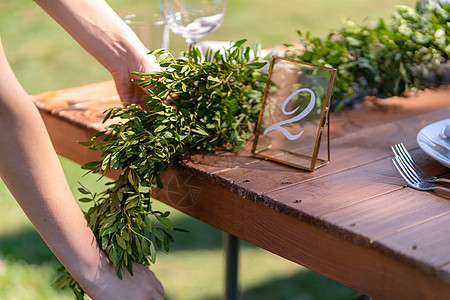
(413,179)
(401,151)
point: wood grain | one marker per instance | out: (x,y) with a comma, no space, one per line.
(427,242)
(359,267)
(49,101)
(387,214)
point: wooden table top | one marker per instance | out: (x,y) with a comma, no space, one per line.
(353,221)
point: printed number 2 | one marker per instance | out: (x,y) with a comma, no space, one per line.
(304,113)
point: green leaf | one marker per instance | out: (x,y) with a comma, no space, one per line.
(239,43)
(63,281)
(121,242)
(162,57)
(145,247)
(144,189)
(129,267)
(165,221)
(85,200)
(200,131)
(87,143)
(160,128)
(84,191)
(130,177)
(138,124)
(254,94)
(115,163)
(109,230)
(148,223)
(105,162)
(158,235)
(166,243)
(105,242)
(125,235)
(91,165)
(159,183)
(152,252)
(138,244)
(215,79)
(256,65)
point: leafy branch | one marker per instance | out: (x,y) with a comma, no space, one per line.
(395,55)
(195,103)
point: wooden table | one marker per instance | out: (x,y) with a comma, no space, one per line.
(353,221)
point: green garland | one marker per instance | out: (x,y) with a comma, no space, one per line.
(194,104)
(406,51)
(213,102)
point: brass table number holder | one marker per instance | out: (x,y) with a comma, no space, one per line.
(294,117)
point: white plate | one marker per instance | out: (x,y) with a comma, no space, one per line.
(434,143)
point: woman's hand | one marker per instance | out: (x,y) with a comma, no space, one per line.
(106,285)
(129,91)
(99,30)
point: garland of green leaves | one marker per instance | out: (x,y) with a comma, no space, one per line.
(194,104)
(212,102)
(410,50)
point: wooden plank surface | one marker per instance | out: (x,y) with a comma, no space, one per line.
(352,221)
(362,268)
(381,216)
(427,241)
(49,101)
(359,148)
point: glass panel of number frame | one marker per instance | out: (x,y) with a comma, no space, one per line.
(292,127)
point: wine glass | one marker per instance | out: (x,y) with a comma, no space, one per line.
(193,19)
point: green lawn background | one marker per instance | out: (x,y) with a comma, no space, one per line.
(44,57)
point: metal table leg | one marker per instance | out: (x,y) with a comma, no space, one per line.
(231,245)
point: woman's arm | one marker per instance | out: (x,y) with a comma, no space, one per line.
(99,30)
(30,168)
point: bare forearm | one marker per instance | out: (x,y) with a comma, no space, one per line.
(97,28)
(107,38)
(31,170)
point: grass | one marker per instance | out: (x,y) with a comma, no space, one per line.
(44,57)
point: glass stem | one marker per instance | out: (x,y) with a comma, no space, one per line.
(190,41)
